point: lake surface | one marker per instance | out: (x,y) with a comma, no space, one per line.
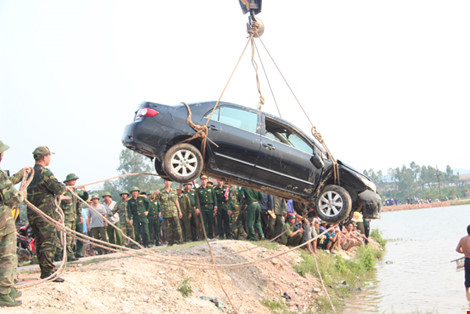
(416,275)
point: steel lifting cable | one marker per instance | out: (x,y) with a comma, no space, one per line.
(314,131)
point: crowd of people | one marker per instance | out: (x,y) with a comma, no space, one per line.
(167,216)
(173,215)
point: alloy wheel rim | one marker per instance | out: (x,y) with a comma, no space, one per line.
(331,204)
(184,163)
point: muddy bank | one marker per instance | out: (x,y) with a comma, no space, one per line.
(122,284)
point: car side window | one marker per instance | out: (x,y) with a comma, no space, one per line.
(286,136)
(238,118)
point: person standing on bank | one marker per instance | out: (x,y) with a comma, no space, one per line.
(154,220)
(95,222)
(196,229)
(185,221)
(114,235)
(464,248)
(41,193)
(171,213)
(9,197)
(72,210)
(125,217)
(253,213)
(208,203)
(223,219)
(139,207)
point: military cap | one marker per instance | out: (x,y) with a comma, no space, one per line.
(203,176)
(71,176)
(94,196)
(42,151)
(210,182)
(106,194)
(135,189)
(124,192)
(188,183)
(3,147)
(143,193)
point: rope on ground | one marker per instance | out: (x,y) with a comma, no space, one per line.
(323,284)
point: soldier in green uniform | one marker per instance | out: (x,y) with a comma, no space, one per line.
(171,213)
(208,203)
(72,210)
(223,222)
(185,221)
(280,210)
(125,217)
(196,228)
(154,220)
(9,197)
(139,207)
(292,235)
(253,212)
(235,214)
(41,193)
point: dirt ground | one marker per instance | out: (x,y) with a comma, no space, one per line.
(122,284)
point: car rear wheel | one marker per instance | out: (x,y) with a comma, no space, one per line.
(159,169)
(182,163)
(333,203)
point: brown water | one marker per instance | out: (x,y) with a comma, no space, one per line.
(416,275)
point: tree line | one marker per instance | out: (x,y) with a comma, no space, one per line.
(415,181)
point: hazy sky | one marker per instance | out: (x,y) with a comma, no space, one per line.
(385,82)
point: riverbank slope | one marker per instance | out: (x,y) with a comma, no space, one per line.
(122,284)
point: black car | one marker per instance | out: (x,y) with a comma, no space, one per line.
(250,148)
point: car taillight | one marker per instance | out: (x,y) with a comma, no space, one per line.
(146,112)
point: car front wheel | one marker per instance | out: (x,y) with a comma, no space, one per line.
(333,203)
(182,163)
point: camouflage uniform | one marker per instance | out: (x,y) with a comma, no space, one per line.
(78,220)
(207,200)
(280,210)
(154,221)
(9,197)
(286,239)
(236,219)
(170,216)
(41,193)
(70,214)
(124,218)
(196,228)
(223,223)
(253,210)
(138,207)
(185,206)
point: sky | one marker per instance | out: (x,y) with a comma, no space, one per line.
(385,82)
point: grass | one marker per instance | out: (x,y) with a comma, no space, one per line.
(275,306)
(185,288)
(377,236)
(341,276)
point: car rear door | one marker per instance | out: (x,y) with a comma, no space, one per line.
(285,159)
(235,131)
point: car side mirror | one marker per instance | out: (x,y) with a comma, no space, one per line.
(317,161)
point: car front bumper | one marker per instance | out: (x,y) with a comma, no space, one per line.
(372,204)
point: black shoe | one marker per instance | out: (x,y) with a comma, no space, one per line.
(77,256)
(58,279)
(71,259)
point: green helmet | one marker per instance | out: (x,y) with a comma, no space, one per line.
(3,147)
(71,176)
(106,194)
(94,196)
(124,192)
(135,189)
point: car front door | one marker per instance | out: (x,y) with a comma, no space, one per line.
(285,160)
(234,130)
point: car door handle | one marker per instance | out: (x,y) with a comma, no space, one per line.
(213,127)
(269,146)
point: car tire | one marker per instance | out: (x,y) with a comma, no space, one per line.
(333,204)
(182,163)
(159,169)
